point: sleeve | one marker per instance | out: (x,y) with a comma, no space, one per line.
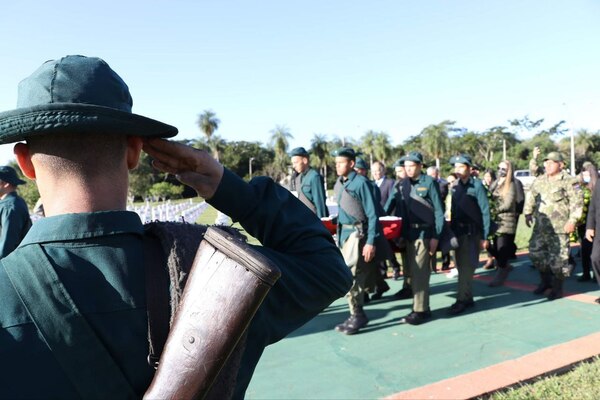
(390,204)
(591,217)
(534,168)
(438,210)
(528,208)
(313,272)
(10,230)
(318,193)
(484,206)
(575,196)
(367,198)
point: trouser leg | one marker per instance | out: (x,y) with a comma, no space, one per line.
(419,261)
(467,258)
(364,276)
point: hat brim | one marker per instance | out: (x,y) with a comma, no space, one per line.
(17,125)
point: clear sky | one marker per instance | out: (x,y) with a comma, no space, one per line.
(336,67)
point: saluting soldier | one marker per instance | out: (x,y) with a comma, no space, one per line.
(423,218)
(359,233)
(555,203)
(470,223)
(308,183)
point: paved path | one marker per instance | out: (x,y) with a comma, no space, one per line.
(509,336)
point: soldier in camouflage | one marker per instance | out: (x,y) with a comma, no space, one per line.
(555,203)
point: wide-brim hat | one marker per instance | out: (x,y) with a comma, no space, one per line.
(9,175)
(360,163)
(415,157)
(400,162)
(347,152)
(461,159)
(76,94)
(299,151)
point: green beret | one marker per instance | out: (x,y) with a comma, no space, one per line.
(554,156)
(461,159)
(299,151)
(347,152)
(415,157)
(360,163)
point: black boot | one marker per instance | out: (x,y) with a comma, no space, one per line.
(557,291)
(545,283)
(501,275)
(353,324)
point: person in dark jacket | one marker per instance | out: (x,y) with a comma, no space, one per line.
(73,316)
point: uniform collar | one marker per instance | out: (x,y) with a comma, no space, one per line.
(67,227)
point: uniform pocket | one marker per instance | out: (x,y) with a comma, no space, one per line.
(557,195)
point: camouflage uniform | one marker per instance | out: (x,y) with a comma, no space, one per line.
(553,202)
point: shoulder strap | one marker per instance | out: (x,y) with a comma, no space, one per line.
(158,305)
(72,341)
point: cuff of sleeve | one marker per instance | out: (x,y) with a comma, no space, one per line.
(233,196)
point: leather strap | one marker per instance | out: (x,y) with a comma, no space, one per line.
(158,304)
(65,330)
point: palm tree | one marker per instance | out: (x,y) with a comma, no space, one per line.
(435,139)
(382,147)
(367,144)
(320,151)
(209,123)
(280,143)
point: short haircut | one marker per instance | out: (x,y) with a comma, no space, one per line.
(79,154)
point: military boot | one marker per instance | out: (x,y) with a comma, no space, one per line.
(545,283)
(501,275)
(557,291)
(353,324)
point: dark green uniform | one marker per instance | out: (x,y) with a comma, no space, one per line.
(14,222)
(422,213)
(311,192)
(362,215)
(471,224)
(98,258)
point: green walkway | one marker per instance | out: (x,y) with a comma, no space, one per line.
(316,362)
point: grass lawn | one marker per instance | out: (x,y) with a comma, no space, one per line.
(580,383)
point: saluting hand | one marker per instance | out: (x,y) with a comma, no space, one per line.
(193,167)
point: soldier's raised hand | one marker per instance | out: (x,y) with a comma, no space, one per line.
(193,167)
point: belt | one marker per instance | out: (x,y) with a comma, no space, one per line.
(348,226)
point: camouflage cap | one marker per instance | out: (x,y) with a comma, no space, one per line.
(554,156)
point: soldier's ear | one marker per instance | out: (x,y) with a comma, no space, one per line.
(23,155)
(134,149)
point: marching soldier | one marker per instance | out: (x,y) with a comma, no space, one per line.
(308,183)
(423,218)
(470,222)
(554,205)
(359,235)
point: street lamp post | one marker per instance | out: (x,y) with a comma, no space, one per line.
(250,166)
